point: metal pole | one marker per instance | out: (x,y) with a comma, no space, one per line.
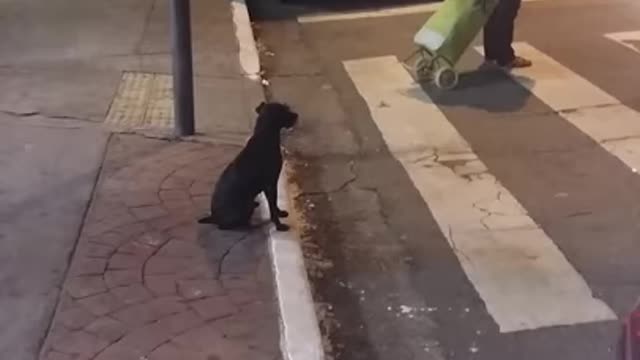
(182,67)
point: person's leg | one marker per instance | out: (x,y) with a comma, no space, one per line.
(506,55)
(509,12)
(491,33)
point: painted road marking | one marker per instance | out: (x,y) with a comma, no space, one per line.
(523,278)
(384,12)
(599,115)
(628,39)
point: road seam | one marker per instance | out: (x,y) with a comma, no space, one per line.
(300,337)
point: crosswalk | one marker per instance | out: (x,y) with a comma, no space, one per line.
(524,279)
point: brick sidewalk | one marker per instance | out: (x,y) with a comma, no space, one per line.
(147,282)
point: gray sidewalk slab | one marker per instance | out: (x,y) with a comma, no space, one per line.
(62,63)
(45,182)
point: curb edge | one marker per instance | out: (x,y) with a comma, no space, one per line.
(300,337)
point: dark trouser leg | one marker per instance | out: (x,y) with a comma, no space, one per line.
(491,34)
(498,32)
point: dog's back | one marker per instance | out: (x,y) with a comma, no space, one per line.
(256,166)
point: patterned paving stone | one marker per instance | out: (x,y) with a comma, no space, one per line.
(215,307)
(148,282)
(117,278)
(107,328)
(101,304)
(84,286)
(197,289)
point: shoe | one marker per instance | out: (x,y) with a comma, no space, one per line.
(518,62)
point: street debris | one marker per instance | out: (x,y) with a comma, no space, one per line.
(406,309)
(432,344)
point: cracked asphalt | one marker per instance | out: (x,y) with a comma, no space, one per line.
(387,279)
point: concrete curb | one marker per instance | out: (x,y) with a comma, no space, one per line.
(300,337)
(248,52)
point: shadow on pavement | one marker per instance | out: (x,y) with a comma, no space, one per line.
(477,89)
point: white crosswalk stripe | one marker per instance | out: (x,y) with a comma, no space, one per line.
(599,115)
(628,39)
(523,278)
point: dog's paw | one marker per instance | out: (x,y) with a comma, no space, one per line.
(282,227)
(282,213)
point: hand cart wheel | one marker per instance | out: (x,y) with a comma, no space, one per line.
(423,68)
(445,78)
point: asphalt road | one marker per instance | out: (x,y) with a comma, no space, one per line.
(495,221)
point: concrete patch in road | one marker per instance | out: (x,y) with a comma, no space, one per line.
(524,279)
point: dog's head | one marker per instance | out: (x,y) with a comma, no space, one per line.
(274,115)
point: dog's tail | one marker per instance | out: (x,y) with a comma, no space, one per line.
(208,220)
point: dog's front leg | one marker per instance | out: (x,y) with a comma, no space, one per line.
(271,192)
(274,188)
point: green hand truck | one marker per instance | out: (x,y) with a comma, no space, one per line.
(445,37)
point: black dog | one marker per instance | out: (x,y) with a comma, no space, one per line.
(256,169)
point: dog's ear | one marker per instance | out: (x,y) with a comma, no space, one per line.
(260,107)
